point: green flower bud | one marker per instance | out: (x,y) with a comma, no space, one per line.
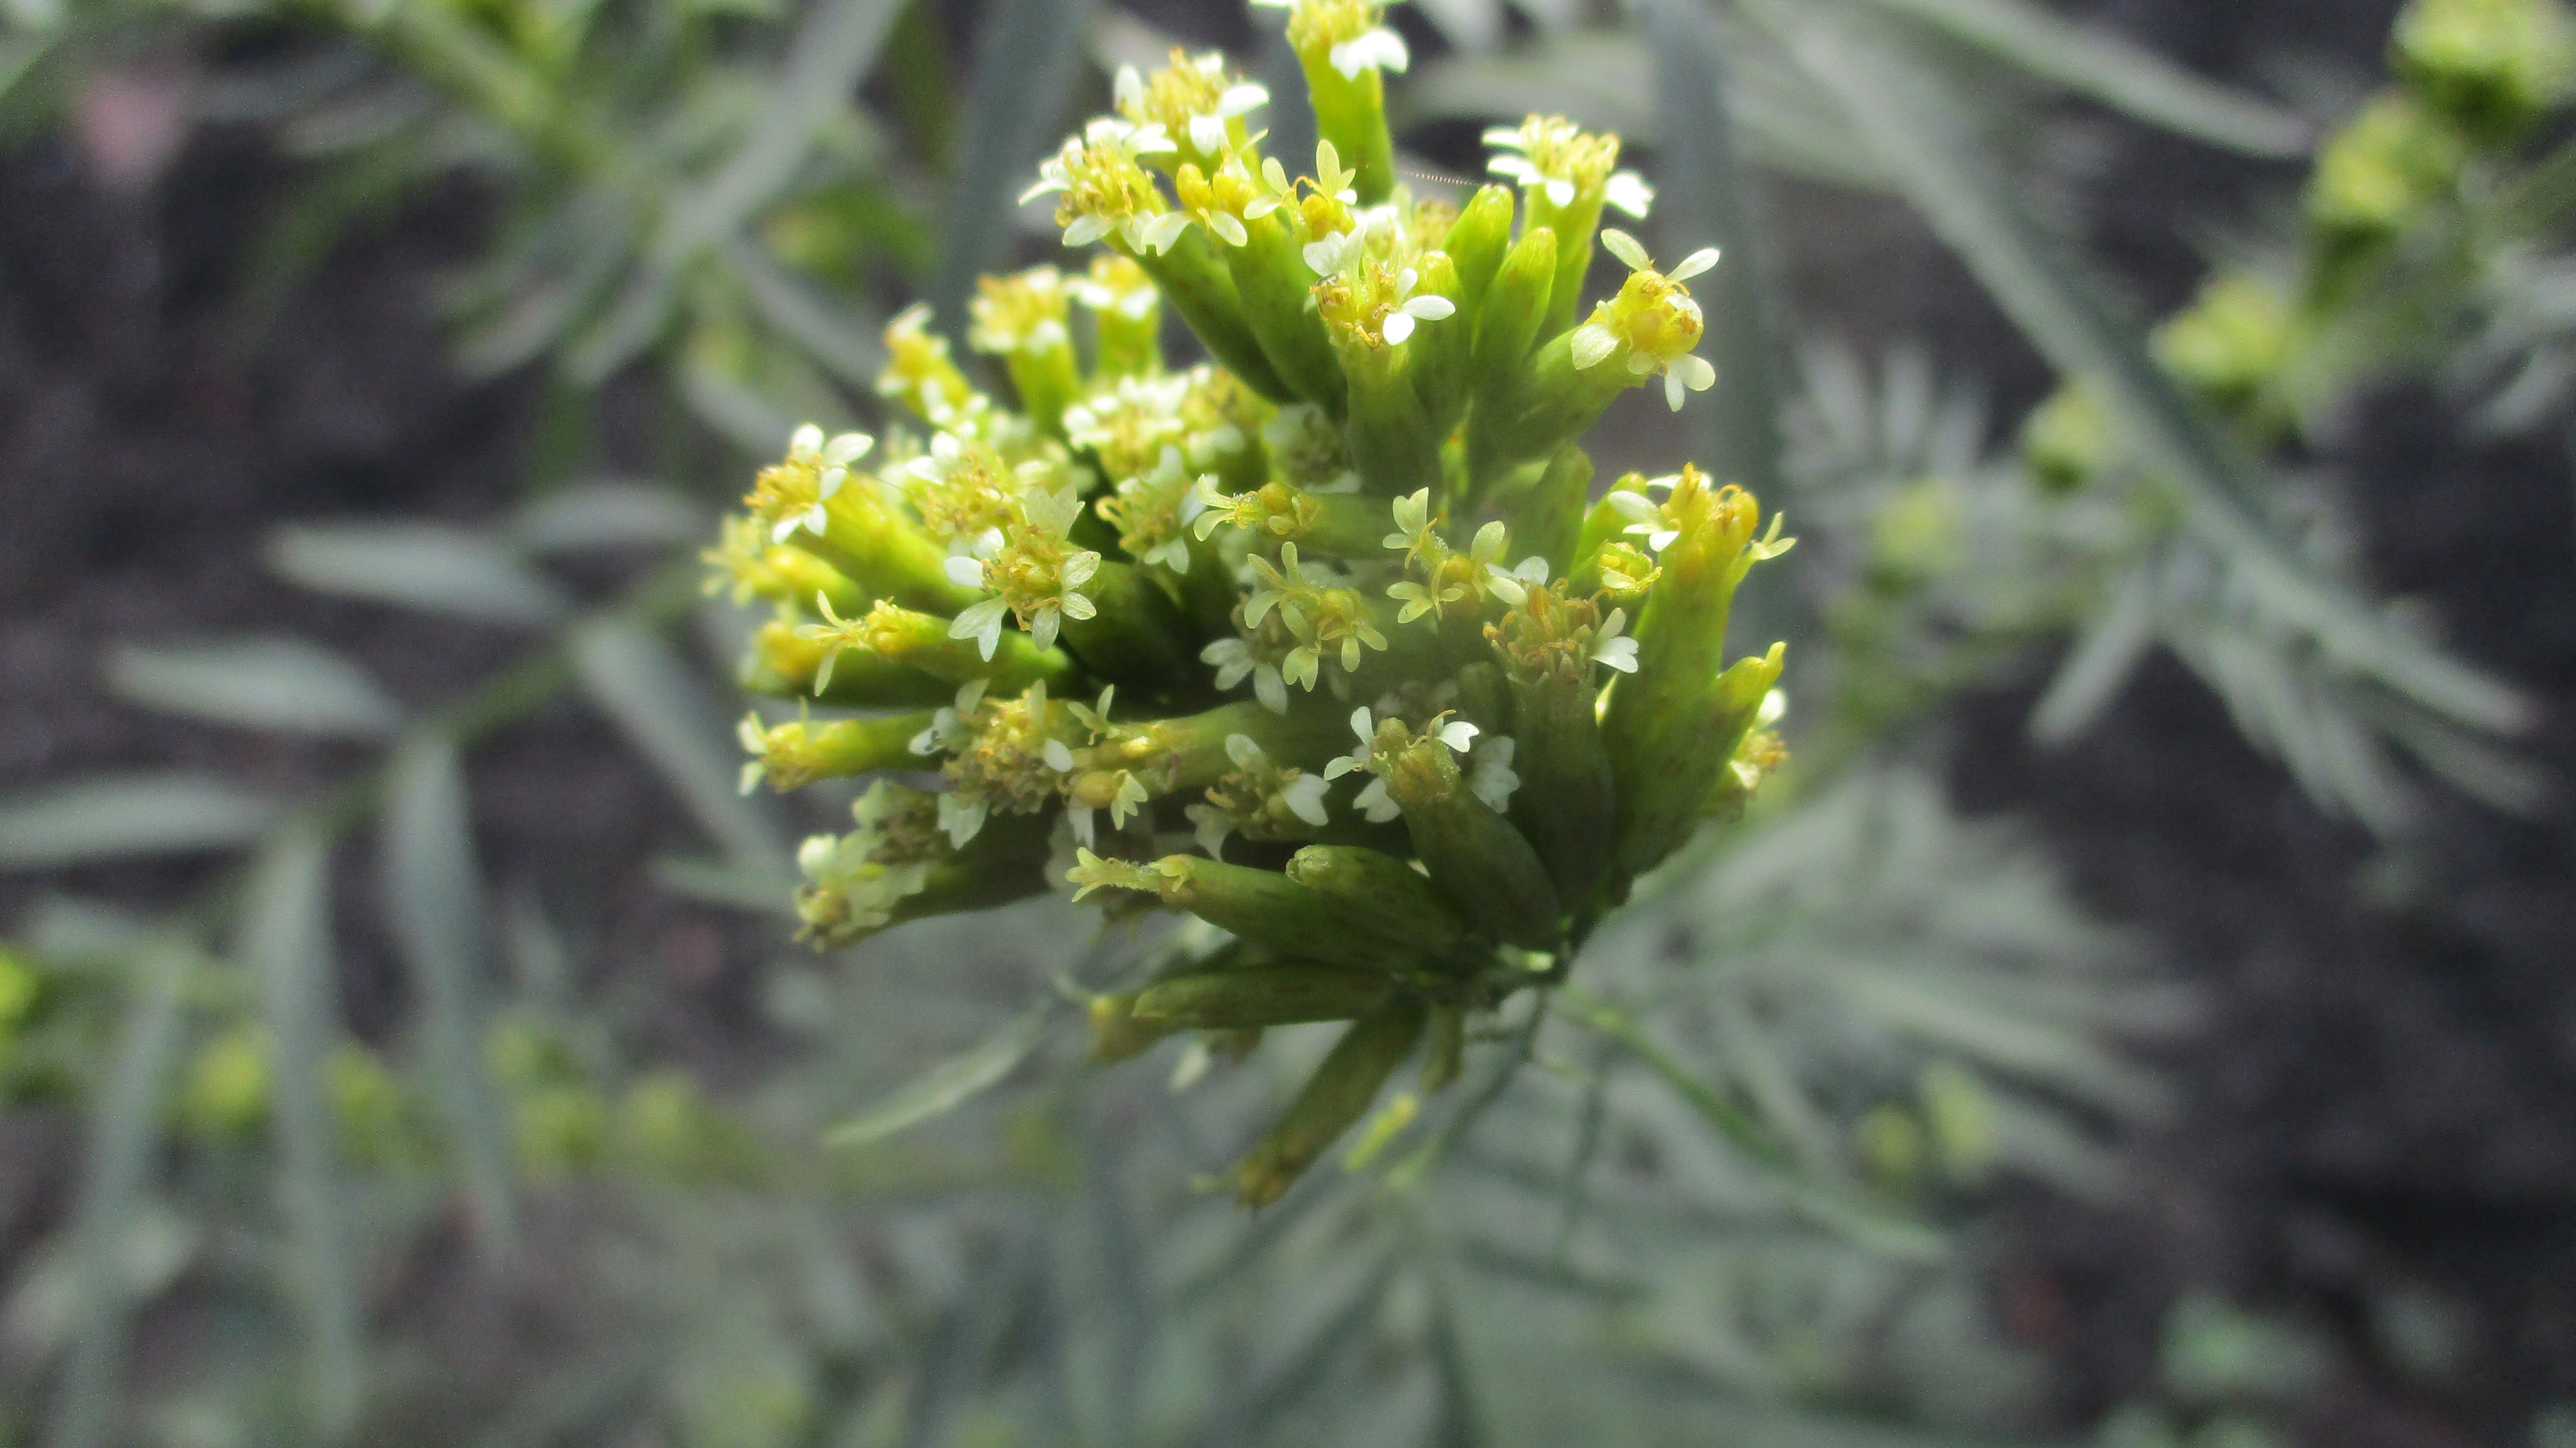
(2495,67)
(1476,243)
(1279,995)
(1262,906)
(1509,318)
(226,1093)
(2068,441)
(1343,45)
(1383,893)
(1443,355)
(1199,285)
(784,665)
(2231,345)
(1335,1098)
(2384,172)
(798,752)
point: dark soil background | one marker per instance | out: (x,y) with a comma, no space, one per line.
(2383,1112)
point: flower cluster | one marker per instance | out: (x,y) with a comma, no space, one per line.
(1326,641)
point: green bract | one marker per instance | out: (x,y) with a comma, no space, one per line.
(1324,641)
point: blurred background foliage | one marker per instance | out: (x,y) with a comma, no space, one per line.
(1732,1186)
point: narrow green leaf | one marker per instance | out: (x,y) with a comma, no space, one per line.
(286,941)
(1864,1221)
(1922,136)
(124,1136)
(135,814)
(944,1087)
(665,712)
(281,684)
(434,897)
(606,513)
(2125,77)
(427,566)
(1029,53)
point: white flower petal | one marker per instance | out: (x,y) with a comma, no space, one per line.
(1399,325)
(1458,734)
(1625,247)
(964,572)
(1304,797)
(1693,264)
(1430,309)
(1207,133)
(1058,757)
(1375,801)
(1592,343)
(1629,192)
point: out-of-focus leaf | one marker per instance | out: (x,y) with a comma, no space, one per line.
(644,688)
(2099,663)
(286,941)
(2120,75)
(123,1139)
(843,342)
(435,899)
(281,684)
(944,1087)
(427,566)
(830,52)
(1029,52)
(18,56)
(135,814)
(748,420)
(1921,134)
(606,514)
(1865,1221)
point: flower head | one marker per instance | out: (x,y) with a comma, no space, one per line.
(1036,574)
(1195,100)
(1023,312)
(1107,191)
(1653,320)
(1559,160)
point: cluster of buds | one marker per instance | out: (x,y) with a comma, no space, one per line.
(1325,641)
